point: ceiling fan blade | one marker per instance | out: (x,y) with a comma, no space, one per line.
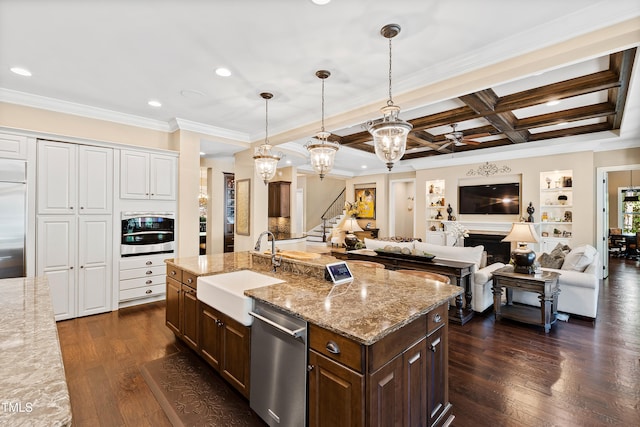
(476,135)
(471,141)
(445,145)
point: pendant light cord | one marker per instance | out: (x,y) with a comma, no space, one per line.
(390,101)
(322,105)
(266,121)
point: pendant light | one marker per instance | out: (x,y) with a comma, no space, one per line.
(266,161)
(322,152)
(390,132)
(630,195)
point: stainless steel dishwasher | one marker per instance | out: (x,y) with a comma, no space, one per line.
(278,367)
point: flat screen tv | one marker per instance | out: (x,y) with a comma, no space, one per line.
(490,199)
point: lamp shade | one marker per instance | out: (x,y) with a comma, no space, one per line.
(522,232)
(351,225)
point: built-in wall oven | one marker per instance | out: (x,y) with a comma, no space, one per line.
(145,233)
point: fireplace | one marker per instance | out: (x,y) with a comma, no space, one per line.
(497,250)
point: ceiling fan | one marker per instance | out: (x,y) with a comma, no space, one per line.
(459,139)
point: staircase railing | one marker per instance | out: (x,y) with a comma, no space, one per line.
(335,208)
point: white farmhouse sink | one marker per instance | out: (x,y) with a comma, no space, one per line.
(225,292)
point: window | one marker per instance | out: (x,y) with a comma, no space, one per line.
(630,214)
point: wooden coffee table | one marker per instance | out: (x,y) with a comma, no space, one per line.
(545,284)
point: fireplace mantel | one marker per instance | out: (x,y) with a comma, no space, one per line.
(483,227)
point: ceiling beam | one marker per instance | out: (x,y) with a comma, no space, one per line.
(485,101)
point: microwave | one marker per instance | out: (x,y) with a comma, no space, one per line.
(144,233)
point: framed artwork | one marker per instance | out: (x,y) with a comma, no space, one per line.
(243,218)
(366,200)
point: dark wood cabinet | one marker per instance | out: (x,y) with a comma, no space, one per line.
(182,306)
(401,380)
(226,345)
(229,212)
(190,316)
(335,393)
(279,199)
(174,290)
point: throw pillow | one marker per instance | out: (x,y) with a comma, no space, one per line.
(550,261)
(580,258)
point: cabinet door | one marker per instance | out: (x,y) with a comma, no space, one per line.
(94,260)
(55,257)
(190,316)
(437,374)
(56,178)
(386,394)
(236,349)
(415,362)
(174,289)
(162,181)
(134,175)
(279,203)
(336,394)
(95,180)
(210,335)
(13,146)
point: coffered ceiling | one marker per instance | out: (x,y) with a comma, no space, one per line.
(488,66)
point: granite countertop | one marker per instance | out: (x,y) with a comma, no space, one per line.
(377,302)
(33,387)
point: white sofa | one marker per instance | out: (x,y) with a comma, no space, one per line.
(578,282)
(481,279)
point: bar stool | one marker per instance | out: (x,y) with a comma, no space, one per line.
(427,275)
(370,264)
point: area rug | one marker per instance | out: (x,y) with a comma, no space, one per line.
(192,394)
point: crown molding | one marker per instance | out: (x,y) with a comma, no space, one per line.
(188,125)
(51,104)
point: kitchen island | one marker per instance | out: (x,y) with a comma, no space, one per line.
(377,347)
(33,388)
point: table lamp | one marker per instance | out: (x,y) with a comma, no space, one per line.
(523,257)
(350,226)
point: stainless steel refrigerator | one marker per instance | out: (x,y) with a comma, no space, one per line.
(13,217)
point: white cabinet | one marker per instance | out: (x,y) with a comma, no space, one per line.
(556,209)
(74,178)
(13,146)
(74,236)
(143,277)
(74,253)
(146,175)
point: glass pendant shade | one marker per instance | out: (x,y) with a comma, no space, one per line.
(630,195)
(322,152)
(389,133)
(265,161)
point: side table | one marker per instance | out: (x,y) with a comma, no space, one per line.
(545,284)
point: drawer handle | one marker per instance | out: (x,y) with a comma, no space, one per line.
(332,347)
(189,280)
(149,272)
(434,344)
(437,318)
(148,282)
(151,262)
(148,291)
(173,272)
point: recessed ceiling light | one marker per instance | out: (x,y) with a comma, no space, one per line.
(202,153)
(223,72)
(552,103)
(21,71)
(363,166)
(155,103)
(288,162)
(320,2)
(563,123)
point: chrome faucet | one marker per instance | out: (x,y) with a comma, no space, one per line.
(274,261)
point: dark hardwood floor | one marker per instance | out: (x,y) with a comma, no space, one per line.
(501,373)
